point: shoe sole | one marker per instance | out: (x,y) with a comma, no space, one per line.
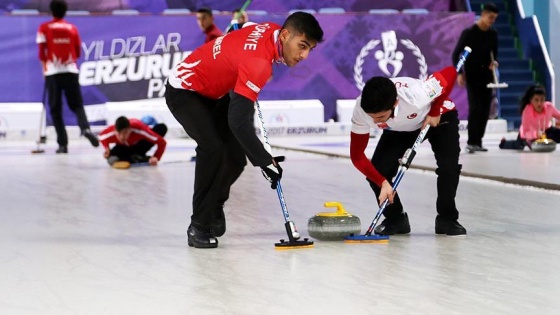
(457,235)
(192,244)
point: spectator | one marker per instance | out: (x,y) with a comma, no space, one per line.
(536,120)
(205,20)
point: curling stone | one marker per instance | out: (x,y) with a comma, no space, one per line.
(543,145)
(333,226)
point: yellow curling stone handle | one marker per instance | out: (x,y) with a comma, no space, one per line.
(340,211)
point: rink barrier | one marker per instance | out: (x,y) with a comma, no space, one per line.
(20,121)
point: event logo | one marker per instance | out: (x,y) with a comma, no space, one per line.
(131,59)
(389,58)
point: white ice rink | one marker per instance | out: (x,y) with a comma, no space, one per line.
(77,237)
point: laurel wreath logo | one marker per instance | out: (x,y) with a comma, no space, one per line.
(364,52)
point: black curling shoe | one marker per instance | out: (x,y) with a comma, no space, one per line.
(399,225)
(219,225)
(201,239)
(449,227)
(91,137)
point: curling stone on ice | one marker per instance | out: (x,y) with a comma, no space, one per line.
(332,226)
(543,144)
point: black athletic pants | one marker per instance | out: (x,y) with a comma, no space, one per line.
(444,140)
(138,150)
(220,158)
(66,83)
(480,101)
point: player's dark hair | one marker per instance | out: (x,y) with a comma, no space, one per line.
(205,10)
(304,23)
(490,7)
(378,95)
(531,91)
(121,123)
(58,8)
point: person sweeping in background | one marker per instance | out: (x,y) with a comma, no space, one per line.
(536,119)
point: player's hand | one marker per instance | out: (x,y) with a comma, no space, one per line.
(273,172)
(106,153)
(461,79)
(386,192)
(431,120)
(153,160)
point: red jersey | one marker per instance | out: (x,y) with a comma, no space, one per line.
(59,46)
(240,61)
(212,32)
(139,132)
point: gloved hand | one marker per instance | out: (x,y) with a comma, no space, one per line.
(273,172)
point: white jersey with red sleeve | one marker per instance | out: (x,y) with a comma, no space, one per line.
(59,46)
(415,99)
(240,61)
(140,131)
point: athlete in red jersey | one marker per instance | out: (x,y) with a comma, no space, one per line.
(237,64)
(205,20)
(59,49)
(133,139)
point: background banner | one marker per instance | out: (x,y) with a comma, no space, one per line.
(128,57)
(271,6)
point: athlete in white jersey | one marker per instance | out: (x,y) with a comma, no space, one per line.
(401,107)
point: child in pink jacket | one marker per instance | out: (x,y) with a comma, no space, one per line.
(536,119)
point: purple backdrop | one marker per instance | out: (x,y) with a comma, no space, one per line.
(128,57)
(271,6)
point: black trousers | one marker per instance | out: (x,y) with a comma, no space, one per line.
(444,140)
(68,84)
(480,101)
(131,153)
(220,158)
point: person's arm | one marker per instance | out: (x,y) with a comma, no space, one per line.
(529,125)
(555,113)
(77,44)
(446,78)
(461,43)
(42,46)
(252,76)
(358,145)
(149,135)
(240,119)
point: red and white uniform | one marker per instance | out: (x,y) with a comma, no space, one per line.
(140,131)
(240,61)
(59,46)
(211,33)
(415,103)
(417,99)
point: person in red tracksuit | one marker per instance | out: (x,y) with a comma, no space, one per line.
(401,107)
(132,139)
(223,128)
(59,49)
(205,20)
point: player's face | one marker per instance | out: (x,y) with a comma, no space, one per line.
(538,102)
(295,47)
(124,134)
(382,117)
(204,20)
(488,18)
